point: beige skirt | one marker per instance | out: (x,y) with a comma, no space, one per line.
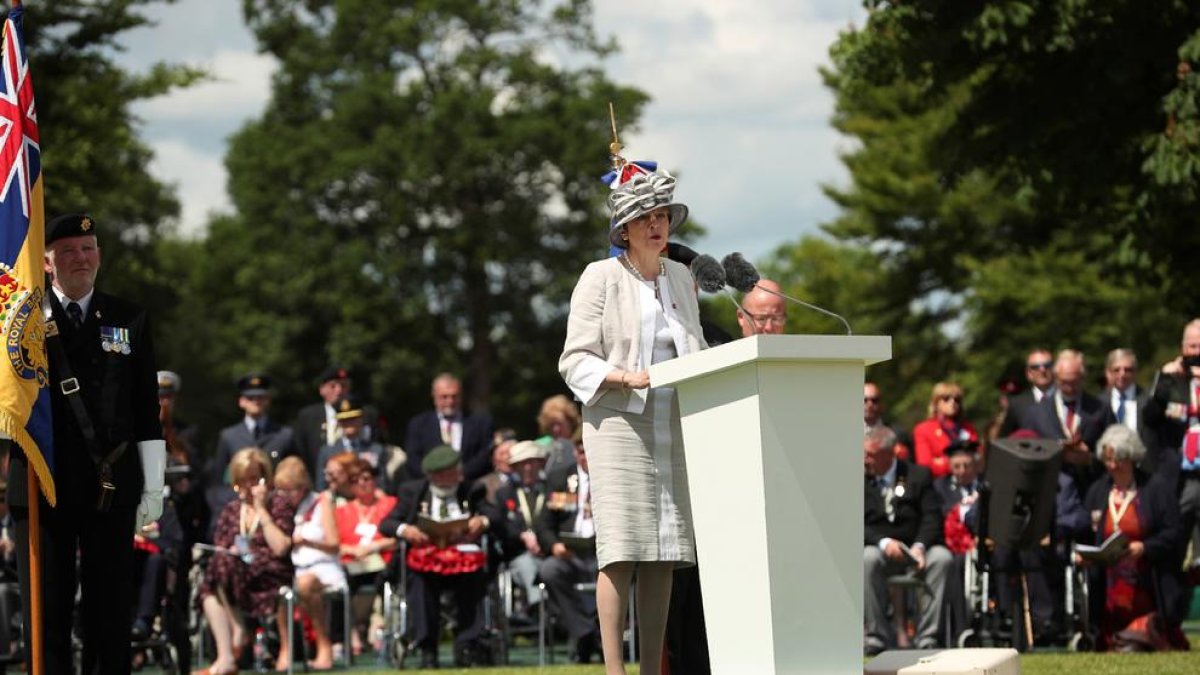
(639,482)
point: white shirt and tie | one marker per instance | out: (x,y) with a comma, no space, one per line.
(1124,407)
(451,430)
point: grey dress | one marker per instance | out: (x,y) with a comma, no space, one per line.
(634,445)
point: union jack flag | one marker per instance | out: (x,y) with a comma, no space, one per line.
(615,179)
(24,369)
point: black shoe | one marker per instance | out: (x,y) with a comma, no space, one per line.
(873,649)
(140,632)
(585,648)
(429,659)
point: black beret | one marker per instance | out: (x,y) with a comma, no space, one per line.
(348,407)
(254,384)
(440,458)
(70,225)
(335,373)
(962,446)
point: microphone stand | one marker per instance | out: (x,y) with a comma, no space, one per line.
(822,310)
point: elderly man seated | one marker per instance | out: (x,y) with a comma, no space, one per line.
(903,533)
(448,557)
(521,504)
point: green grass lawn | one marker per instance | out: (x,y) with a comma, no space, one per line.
(1177,663)
(1048,663)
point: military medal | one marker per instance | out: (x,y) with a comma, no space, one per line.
(115,340)
(899,491)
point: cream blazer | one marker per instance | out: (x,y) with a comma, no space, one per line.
(611,326)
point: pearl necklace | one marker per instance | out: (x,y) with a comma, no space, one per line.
(662,270)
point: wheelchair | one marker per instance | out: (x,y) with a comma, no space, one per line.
(398,615)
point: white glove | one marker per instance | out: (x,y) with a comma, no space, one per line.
(154,463)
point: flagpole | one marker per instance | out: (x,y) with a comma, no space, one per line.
(35,570)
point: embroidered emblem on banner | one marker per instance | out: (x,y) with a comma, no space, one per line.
(115,340)
(23,333)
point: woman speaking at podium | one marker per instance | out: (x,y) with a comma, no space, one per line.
(627,312)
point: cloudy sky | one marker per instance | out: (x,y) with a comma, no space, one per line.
(738,108)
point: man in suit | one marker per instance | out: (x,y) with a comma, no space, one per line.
(1173,412)
(902,533)
(316,425)
(522,503)
(569,510)
(387,461)
(1125,399)
(107,441)
(458,566)
(766,313)
(255,429)
(1073,416)
(873,417)
(1039,364)
(446,424)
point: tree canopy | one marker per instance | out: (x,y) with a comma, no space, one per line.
(1025,174)
(419,195)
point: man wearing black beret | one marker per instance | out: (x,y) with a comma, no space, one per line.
(109,457)
(316,425)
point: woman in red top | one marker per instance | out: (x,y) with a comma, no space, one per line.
(945,425)
(365,551)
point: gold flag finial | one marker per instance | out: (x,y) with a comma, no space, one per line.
(614,148)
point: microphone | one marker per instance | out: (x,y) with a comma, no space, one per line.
(741,275)
(708,273)
(710,276)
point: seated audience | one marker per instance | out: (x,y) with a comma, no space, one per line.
(1136,599)
(314,551)
(569,512)
(903,533)
(522,503)
(336,478)
(386,460)
(945,425)
(456,562)
(560,420)
(254,533)
(366,550)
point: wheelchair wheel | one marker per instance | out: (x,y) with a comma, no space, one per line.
(968,639)
(1081,642)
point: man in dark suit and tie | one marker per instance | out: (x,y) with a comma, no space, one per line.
(1173,411)
(316,425)
(902,533)
(256,429)
(1039,373)
(1073,416)
(107,443)
(1125,400)
(446,424)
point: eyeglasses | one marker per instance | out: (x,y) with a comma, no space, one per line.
(951,397)
(1040,365)
(769,319)
(870,399)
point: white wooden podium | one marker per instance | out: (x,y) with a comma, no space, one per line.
(772,427)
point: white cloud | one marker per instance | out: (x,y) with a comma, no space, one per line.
(239,88)
(200,178)
(738,107)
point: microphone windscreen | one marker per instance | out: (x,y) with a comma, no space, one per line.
(709,274)
(681,254)
(739,272)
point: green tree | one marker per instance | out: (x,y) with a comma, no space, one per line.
(1023,176)
(92,158)
(419,195)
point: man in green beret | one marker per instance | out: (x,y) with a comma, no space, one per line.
(438,504)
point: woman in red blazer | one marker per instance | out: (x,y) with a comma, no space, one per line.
(945,425)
